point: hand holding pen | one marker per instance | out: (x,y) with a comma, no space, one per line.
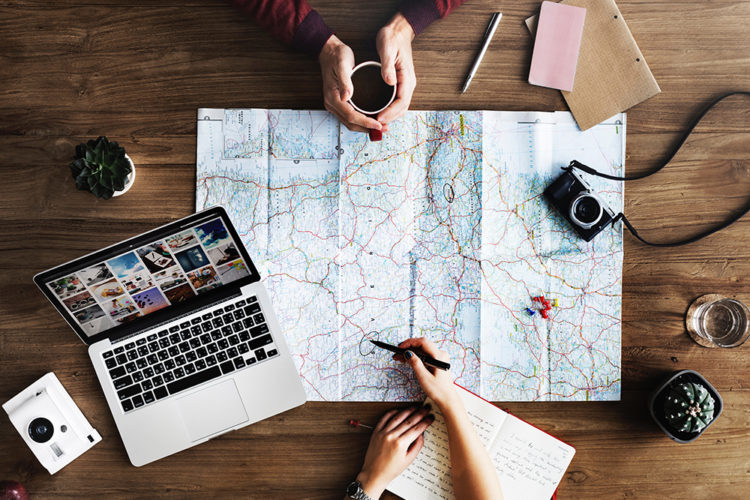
(426,359)
(396,438)
(437,383)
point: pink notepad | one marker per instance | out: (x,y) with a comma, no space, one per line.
(558,39)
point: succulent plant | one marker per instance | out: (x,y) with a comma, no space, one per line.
(688,407)
(100,167)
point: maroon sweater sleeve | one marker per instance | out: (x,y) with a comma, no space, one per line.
(422,13)
(293,22)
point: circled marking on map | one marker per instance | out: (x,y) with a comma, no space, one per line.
(365,346)
(448,192)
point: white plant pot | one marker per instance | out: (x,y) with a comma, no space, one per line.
(129,181)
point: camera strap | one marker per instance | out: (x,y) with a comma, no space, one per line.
(585,168)
(621,216)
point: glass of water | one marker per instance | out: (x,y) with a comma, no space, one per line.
(716,321)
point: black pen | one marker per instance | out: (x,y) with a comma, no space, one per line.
(428,360)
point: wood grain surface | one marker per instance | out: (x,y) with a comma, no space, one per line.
(136,71)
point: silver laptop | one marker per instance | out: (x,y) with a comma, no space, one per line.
(181,332)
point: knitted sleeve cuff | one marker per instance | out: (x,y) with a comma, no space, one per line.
(419,13)
(311,34)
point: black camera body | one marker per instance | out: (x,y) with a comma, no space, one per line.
(574,198)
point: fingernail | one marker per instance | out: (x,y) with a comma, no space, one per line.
(408,354)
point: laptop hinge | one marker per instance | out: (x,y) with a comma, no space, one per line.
(177,318)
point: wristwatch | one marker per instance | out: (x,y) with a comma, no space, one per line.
(355,491)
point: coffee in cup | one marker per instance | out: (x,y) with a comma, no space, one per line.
(371,93)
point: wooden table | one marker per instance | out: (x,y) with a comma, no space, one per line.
(136,71)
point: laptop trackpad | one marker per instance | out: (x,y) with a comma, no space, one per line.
(212,410)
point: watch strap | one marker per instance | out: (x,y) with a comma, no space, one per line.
(355,491)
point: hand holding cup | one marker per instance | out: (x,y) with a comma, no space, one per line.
(372,94)
(336,64)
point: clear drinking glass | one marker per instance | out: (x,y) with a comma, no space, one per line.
(716,321)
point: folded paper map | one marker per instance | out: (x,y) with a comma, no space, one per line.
(439,230)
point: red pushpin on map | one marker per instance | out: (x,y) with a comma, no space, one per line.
(546,306)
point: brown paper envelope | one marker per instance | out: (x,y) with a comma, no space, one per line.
(612,75)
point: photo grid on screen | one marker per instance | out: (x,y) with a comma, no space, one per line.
(154,276)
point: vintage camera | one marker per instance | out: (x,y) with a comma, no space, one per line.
(575,199)
(50,423)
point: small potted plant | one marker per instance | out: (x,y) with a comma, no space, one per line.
(102,168)
(685,405)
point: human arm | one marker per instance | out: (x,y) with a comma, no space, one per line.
(295,23)
(395,443)
(422,13)
(473,473)
(336,64)
(394,48)
(393,43)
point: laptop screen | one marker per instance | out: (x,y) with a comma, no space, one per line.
(174,265)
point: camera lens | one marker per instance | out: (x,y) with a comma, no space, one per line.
(41,430)
(586,210)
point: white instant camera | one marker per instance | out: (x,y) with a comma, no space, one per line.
(51,423)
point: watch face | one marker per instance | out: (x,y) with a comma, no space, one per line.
(353,488)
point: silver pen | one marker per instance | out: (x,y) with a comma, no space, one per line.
(488,34)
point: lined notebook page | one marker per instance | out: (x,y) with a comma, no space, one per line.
(530,463)
(429,476)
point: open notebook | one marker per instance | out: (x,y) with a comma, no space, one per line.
(530,463)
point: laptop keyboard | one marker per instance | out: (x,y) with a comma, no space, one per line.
(152,367)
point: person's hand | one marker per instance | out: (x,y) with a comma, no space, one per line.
(336,64)
(394,47)
(395,443)
(437,384)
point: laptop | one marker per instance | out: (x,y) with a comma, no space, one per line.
(181,332)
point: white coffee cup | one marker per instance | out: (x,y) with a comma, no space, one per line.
(370,111)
